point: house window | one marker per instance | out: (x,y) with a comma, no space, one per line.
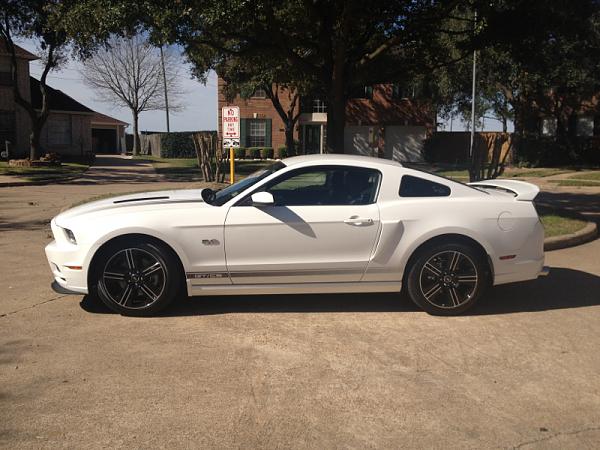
(397,91)
(5,72)
(319,106)
(362,92)
(400,91)
(7,128)
(259,93)
(585,126)
(548,126)
(59,130)
(257,133)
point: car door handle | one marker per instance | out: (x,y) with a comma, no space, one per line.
(358,221)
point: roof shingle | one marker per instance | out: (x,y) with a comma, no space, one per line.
(57,100)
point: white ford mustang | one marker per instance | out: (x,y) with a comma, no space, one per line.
(309,224)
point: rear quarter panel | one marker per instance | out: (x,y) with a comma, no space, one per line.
(407,223)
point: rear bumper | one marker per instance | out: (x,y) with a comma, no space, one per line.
(60,258)
(522,271)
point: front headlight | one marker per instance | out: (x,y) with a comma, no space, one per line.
(70,236)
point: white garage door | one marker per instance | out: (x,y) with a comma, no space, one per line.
(356,140)
(404,143)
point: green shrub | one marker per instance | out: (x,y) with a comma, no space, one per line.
(240,153)
(177,145)
(253,153)
(266,153)
(282,152)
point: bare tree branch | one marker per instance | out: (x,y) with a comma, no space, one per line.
(128,74)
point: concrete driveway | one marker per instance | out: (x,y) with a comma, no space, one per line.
(313,371)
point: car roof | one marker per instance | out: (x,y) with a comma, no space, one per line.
(339,159)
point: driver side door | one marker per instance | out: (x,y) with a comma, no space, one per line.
(322,227)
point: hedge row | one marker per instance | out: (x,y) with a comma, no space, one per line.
(178,145)
(261,153)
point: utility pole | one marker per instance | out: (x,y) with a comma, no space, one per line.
(473,95)
(162,61)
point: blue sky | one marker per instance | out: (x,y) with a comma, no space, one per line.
(199,113)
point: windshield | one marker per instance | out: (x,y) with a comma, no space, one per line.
(224,195)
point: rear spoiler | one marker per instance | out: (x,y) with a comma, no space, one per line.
(523,191)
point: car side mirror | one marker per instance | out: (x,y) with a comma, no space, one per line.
(262,199)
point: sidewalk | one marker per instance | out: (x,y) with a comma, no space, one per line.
(110,169)
(107,169)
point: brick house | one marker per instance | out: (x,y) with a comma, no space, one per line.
(14,121)
(70,126)
(382,120)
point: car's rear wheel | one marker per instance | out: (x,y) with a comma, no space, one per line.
(448,279)
(137,278)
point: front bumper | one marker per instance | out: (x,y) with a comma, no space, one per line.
(61,290)
(62,257)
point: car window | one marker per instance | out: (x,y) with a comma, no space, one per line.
(224,195)
(326,185)
(418,187)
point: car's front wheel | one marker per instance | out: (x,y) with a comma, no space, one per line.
(447,279)
(137,278)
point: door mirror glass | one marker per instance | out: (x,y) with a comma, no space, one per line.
(262,199)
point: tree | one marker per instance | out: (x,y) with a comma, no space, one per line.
(34,20)
(243,76)
(340,45)
(547,63)
(128,72)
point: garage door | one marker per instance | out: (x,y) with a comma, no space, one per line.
(404,143)
(356,140)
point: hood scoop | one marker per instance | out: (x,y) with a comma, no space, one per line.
(140,199)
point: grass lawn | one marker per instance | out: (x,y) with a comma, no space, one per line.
(556,225)
(534,173)
(591,176)
(186,169)
(576,183)
(463,175)
(458,174)
(67,169)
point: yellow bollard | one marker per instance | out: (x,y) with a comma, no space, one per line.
(231,166)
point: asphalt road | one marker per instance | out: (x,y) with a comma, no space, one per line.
(313,371)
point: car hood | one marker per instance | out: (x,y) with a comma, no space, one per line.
(132,200)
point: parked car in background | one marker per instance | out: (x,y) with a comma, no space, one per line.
(308,224)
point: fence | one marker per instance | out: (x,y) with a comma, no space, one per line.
(453,147)
(168,145)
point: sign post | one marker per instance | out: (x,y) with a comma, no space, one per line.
(230,116)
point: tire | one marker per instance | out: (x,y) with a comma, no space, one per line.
(137,278)
(448,279)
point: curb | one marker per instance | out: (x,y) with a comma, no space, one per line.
(586,234)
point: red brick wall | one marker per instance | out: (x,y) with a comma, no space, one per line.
(383,109)
(263,108)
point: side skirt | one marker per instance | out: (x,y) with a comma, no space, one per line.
(295,288)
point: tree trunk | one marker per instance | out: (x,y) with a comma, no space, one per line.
(336,109)
(289,138)
(136,136)
(289,117)
(34,140)
(336,120)
(517,137)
